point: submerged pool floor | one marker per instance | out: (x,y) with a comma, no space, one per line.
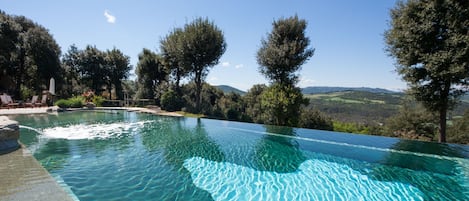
(131,156)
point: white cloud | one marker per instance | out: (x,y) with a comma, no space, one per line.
(225,64)
(304,82)
(110,18)
(239,66)
(213,79)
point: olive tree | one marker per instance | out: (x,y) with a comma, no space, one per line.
(203,44)
(284,51)
(280,57)
(430,41)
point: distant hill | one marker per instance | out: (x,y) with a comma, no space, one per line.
(322,90)
(228,89)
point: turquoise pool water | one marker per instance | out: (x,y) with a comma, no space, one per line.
(120,155)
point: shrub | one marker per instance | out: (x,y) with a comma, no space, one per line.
(98,101)
(170,101)
(74,102)
(62,103)
(314,119)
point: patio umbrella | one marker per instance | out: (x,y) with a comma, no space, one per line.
(52,86)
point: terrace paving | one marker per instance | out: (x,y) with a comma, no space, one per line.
(23,178)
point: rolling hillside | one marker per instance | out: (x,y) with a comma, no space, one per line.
(357,105)
(365,107)
(228,89)
(321,90)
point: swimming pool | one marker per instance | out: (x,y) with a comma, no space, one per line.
(118,155)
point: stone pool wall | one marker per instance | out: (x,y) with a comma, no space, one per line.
(9,135)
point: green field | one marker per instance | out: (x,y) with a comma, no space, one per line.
(365,107)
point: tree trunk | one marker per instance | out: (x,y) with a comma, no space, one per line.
(110,91)
(198,87)
(20,73)
(442,130)
(119,90)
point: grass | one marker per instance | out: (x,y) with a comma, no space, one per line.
(341,97)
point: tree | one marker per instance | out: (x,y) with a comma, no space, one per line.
(209,96)
(284,51)
(429,40)
(282,105)
(459,132)
(118,69)
(71,66)
(151,73)
(280,57)
(203,44)
(92,68)
(253,103)
(29,55)
(44,52)
(171,51)
(9,38)
(412,122)
(171,101)
(314,119)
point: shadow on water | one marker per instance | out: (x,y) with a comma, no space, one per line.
(278,154)
(432,175)
(179,142)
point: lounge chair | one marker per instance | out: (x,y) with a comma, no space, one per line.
(4,101)
(32,103)
(43,101)
(8,102)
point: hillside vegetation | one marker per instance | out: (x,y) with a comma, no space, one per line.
(356,106)
(364,107)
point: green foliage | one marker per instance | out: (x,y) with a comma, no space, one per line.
(92,68)
(230,106)
(98,100)
(29,55)
(314,119)
(151,73)
(209,97)
(356,106)
(281,105)
(62,103)
(279,57)
(171,101)
(26,92)
(192,51)
(171,50)
(118,68)
(430,43)
(351,127)
(284,51)
(95,69)
(74,102)
(203,44)
(412,122)
(253,103)
(459,132)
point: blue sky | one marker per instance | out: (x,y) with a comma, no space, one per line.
(347,35)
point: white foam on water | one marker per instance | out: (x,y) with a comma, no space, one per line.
(314,180)
(93,131)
